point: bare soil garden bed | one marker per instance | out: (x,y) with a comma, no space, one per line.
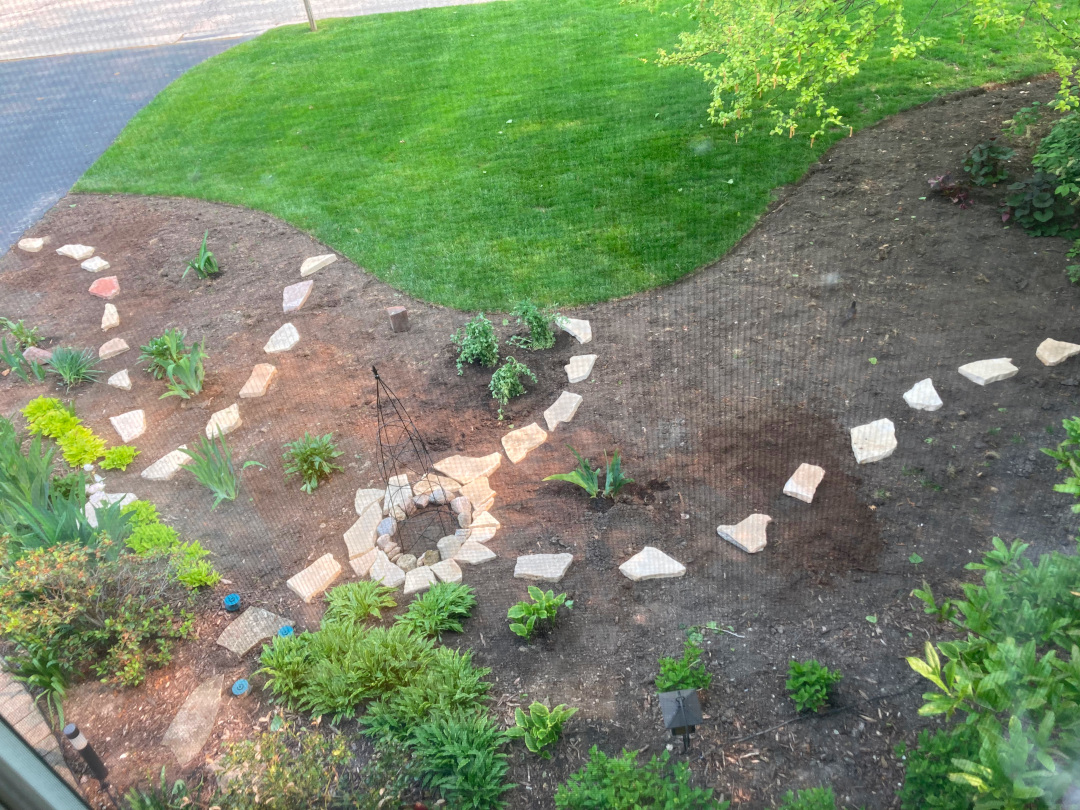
(715,389)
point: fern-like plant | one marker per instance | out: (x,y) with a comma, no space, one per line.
(358,602)
(441,609)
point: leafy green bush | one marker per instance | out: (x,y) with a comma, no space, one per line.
(311,457)
(478,343)
(808,684)
(80,446)
(1038,210)
(204,265)
(541,335)
(112,615)
(984,161)
(357,602)
(588,479)
(74,366)
(1067,455)
(1059,156)
(163,351)
(541,727)
(528,617)
(506,382)
(928,765)
(1014,675)
(622,783)
(192,568)
(459,756)
(687,672)
(119,457)
(49,417)
(819,798)
(69,486)
(212,466)
(441,609)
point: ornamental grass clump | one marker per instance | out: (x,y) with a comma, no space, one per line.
(74,366)
(212,465)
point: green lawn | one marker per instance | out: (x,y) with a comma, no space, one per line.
(477,155)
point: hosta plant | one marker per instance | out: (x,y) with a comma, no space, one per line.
(528,617)
(1036,208)
(983,163)
(119,457)
(588,479)
(358,602)
(312,458)
(540,726)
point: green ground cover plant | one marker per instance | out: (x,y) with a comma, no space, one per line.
(537,141)
(358,602)
(1067,455)
(623,782)
(818,798)
(162,351)
(687,672)
(984,163)
(809,684)
(506,382)
(927,767)
(23,335)
(588,479)
(19,365)
(478,344)
(119,457)
(540,727)
(528,617)
(150,536)
(311,457)
(441,609)
(187,373)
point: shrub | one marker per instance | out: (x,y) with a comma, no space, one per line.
(119,457)
(186,374)
(983,162)
(1067,455)
(357,602)
(622,782)
(49,417)
(478,343)
(1038,210)
(541,335)
(74,366)
(687,672)
(441,609)
(506,383)
(540,613)
(1059,156)
(808,684)
(818,798)
(212,466)
(588,479)
(541,727)
(112,615)
(23,335)
(1014,675)
(80,446)
(311,457)
(458,755)
(163,351)
(928,765)
(204,265)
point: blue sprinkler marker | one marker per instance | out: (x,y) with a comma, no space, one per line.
(231,602)
(240,688)
(285,631)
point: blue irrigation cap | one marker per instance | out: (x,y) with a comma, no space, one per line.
(231,602)
(285,631)
(240,688)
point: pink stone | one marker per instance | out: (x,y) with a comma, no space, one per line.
(33,353)
(106,287)
(294,296)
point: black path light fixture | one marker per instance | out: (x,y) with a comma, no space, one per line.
(682,713)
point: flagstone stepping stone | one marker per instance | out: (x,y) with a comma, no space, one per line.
(316,263)
(167,466)
(804,483)
(191,727)
(651,563)
(563,410)
(398,493)
(473,553)
(461,505)
(984,372)
(449,545)
(447,571)
(31,244)
(360,538)
(252,626)
(130,425)
(580,367)
(257,384)
(106,287)
(120,380)
(483,528)
(295,295)
(361,565)
(76,252)
(542,567)
(480,495)
(749,533)
(923,396)
(518,443)
(1052,352)
(37,355)
(316,578)
(112,348)
(874,441)
(110,318)
(582,330)
(428,484)
(384,571)
(224,421)
(465,469)
(282,340)
(365,497)
(95,264)
(419,579)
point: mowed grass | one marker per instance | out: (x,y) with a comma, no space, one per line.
(479,155)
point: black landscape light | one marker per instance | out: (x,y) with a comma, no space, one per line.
(682,713)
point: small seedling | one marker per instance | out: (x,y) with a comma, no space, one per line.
(311,457)
(873,361)
(808,684)
(541,727)
(687,672)
(74,366)
(21,367)
(205,265)
(212,466)
(614,480)
(527,617)
(914,559)
(588,479)
(23,335)
(478,344)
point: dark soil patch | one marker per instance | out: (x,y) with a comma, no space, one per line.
(715,389)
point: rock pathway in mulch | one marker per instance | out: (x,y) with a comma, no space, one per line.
(191,726)
(248,629)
